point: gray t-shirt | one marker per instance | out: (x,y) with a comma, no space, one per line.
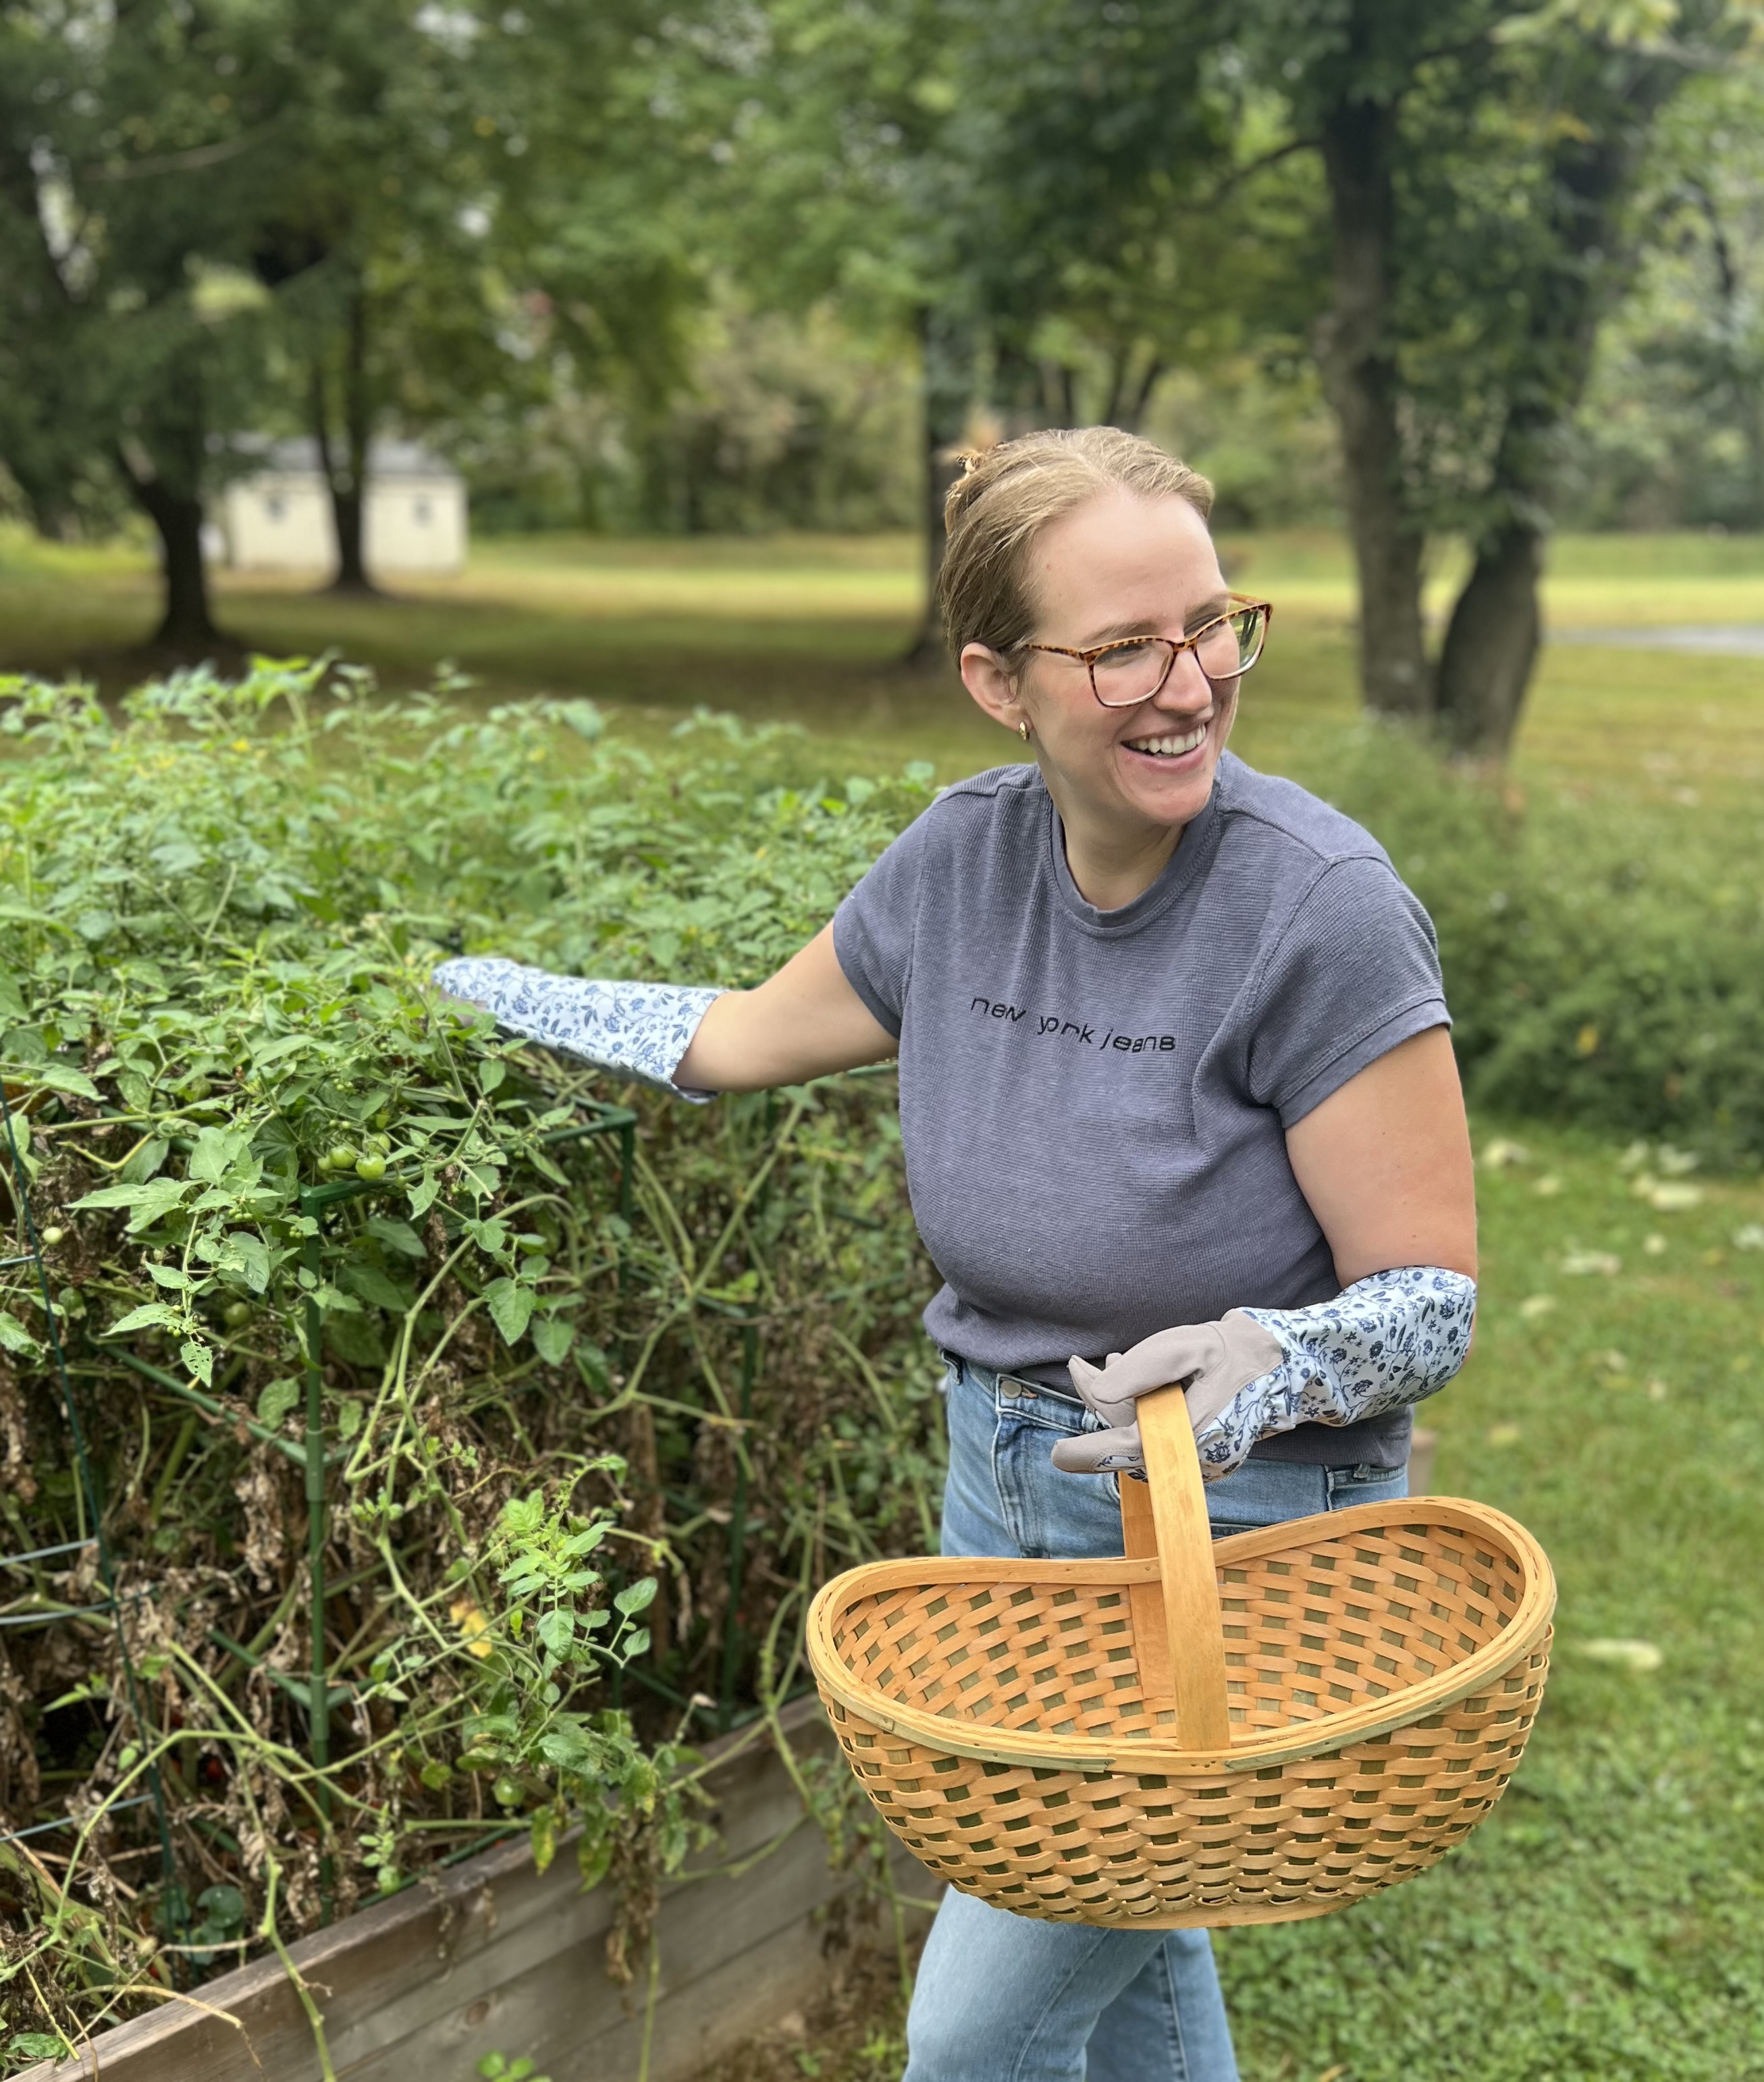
(1094,1103)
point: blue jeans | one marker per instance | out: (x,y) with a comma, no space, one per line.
(1002,1998)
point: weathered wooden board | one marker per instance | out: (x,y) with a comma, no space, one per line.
(493,1956)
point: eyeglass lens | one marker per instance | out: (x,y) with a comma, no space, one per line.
(1135,671)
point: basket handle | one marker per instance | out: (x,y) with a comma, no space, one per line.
(1177,1626)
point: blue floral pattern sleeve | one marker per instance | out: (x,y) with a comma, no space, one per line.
(639,1030)
(1388,1341)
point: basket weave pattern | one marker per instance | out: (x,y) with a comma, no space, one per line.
(1266,1728)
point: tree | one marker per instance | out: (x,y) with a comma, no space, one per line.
(474,198)
(1479,164)
(132,163)
(1673,427)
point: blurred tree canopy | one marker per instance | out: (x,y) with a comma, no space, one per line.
(282,215)
(1450,267)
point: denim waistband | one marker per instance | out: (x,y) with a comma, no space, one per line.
(993,1382)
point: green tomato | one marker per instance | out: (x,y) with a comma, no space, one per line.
(373,1168)
(382,1144)
(507,1792)
(237,1314)
(53,1235)
(342,1156)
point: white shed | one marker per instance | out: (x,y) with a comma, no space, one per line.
(278,518)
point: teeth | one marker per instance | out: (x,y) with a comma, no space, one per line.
(1169,748)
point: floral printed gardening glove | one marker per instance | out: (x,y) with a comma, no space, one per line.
(1386,1341)
(640,1030)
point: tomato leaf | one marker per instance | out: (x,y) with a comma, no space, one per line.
(510,1306)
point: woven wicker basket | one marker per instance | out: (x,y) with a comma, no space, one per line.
(1348,1698)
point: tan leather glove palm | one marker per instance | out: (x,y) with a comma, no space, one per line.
(1211,1361)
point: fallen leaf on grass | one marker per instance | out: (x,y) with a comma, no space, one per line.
(1750,1237)
(1547,1186)
(1498,1154)
(1655,1246)
(1638,1655)
(1505,1434)
(1667,1196)
(1536,1307)
(1605,1262)
(1614,1363)
(1658,1391)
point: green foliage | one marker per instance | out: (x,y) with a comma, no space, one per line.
(1605,962)
(497,2067)
(543,1411)
(1673,431)
(553,1401)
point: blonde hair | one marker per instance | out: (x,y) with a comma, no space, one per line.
(1008,494)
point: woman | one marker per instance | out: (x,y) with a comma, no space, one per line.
(1178,1103)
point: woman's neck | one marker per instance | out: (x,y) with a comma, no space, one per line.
(1112,867)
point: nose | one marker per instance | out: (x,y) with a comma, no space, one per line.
(1187,691)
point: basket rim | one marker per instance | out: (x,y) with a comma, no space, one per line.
(1527,1626)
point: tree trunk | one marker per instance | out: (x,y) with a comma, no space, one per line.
(186,626)
(948,388)
(1492,643)
(1359,366)
(1139,397)
(347,477)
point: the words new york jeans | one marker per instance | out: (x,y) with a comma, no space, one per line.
(1004,1998)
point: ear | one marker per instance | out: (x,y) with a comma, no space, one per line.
(984,676)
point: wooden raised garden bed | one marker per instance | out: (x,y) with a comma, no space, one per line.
(493,1956)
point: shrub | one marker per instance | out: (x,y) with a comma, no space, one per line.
(1605,963)
(595,1412)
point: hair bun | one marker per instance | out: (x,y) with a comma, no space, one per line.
(964,488)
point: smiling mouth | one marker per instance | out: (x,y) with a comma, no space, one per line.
(1170,747)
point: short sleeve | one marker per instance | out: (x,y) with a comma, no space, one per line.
(1354,974)
(872,929)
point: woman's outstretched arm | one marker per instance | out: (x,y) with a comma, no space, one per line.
(805,1021)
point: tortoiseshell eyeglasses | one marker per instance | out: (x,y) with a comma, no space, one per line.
(1133,668)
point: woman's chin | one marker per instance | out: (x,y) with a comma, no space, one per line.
(1170,791)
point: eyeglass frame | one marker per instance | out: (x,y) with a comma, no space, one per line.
(1177,645)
